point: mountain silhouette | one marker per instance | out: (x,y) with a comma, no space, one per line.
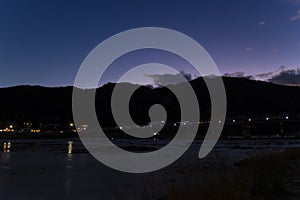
(244,98)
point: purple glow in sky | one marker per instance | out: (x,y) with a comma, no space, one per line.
(44,42)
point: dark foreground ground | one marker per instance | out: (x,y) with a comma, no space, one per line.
(235,169)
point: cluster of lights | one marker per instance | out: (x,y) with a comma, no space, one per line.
(184,123)
(267,119)
(35,131)
(9,129)
(72,125)
(82,128)
(27,124)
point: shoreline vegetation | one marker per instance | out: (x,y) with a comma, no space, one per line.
(268,175)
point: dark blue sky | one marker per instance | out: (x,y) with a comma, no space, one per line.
(44,42)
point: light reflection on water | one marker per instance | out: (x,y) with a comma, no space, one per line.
(66,167)
(6,147)
(70,150)
(70,147)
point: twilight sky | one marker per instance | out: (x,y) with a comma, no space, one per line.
(44,42)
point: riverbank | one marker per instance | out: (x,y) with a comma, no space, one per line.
(63,169)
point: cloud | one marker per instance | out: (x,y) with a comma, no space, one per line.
(235,74)
(248,49)
(295,2)
(283,76)
(287,77)
(167,79)
(261,23)
(296,17)
(263,76)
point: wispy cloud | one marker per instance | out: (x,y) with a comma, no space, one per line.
(283,76)
(167,79)
(262,23)
(237,75)
(287,77)
(296,17)
(248,49)
(295,2)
